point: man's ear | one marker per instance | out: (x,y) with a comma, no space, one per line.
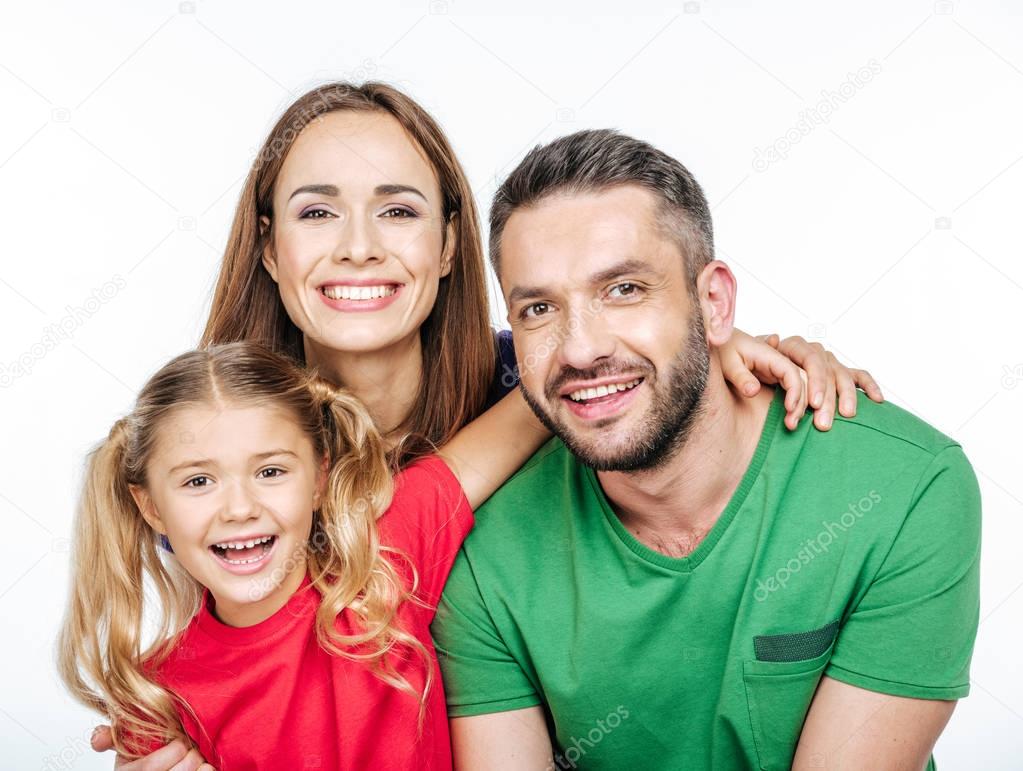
(450,244)
(715,287)
(269,256)
(146,507)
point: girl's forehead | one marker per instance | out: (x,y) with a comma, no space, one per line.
(228,430)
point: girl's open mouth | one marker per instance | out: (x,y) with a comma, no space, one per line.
(244,555)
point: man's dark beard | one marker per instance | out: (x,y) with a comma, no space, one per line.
(677,402)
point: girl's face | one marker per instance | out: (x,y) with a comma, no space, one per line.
(360,242)
(234,490)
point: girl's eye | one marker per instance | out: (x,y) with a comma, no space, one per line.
(398,212)
(271,473)
(625,289)
(197,482)
(534,310)
(315,214)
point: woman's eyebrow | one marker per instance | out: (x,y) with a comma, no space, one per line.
(334,190)
(331,190)
(395,189)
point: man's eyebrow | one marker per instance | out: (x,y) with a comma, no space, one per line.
(625,267)
(209,461)
(331,190)
(520,293)
(621,269)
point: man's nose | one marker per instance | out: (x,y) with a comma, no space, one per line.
(585,340)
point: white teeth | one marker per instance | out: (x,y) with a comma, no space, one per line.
(593,393)
(243,544)
(343,292)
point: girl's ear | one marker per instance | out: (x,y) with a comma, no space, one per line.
(450,244)
(146,507)
(321,481)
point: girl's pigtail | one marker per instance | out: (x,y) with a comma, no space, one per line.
(100,656)
(348,562)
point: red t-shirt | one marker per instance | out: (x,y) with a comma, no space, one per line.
(269,697)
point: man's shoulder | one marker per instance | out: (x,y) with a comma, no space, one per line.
(887,424)
(539,491)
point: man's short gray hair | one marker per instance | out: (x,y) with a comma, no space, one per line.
(593,160)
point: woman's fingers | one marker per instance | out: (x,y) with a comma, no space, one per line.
(167,758)
(824,416)
(101,740)
(846,386)
(734,368)
(866,382)
(814,360)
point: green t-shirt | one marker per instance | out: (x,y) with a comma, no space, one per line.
(852,553)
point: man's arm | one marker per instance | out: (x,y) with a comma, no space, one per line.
(852,728)
(502,741)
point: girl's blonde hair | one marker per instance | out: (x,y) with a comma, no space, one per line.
(102,658)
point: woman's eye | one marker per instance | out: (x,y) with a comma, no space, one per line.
(271,473)
(625,289)
(398,212)
(535,310)
(315,214)
(197,482)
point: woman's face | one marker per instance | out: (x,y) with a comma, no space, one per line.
(359,238)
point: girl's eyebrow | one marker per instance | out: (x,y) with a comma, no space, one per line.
(210,461)
(334,190)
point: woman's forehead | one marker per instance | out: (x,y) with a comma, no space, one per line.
(357,151)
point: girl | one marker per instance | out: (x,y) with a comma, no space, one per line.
(292,621)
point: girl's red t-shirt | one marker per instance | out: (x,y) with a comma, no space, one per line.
(269,697)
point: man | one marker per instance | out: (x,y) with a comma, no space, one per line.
(675,581)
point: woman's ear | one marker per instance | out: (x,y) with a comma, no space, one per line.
(146,507)
(269,257)
(450,244)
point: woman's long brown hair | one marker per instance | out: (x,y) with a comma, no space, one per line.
(457,341)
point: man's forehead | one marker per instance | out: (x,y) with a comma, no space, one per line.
(573,237)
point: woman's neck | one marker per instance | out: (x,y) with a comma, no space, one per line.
(386,381)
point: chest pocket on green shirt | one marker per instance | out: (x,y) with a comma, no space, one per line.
(780,684)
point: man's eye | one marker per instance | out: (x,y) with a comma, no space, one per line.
(534,310)
(315,214)
(197,482)
(625,289)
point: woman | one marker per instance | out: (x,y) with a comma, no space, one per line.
(356,250)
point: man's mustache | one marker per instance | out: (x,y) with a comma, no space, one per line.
(641,367)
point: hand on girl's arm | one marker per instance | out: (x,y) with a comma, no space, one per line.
(808,372)
(491,448)
(174,756)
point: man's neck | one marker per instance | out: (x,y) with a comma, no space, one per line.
(673,507)
(386,381)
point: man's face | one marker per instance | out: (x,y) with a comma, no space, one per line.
(610,341)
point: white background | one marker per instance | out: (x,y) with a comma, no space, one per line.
(890,232)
